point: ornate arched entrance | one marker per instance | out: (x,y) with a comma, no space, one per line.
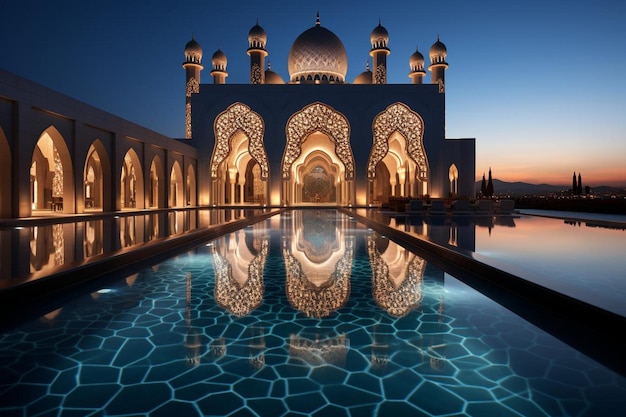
(398,145)
(318,164)
(239,167)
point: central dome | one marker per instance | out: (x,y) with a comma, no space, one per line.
(318,55)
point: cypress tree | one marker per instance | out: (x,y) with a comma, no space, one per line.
(483,186)
(489,185)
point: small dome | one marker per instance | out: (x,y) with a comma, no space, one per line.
(257,38)
(318,54)
(416,62)
(218,60)
(365,77)
(273,78)
(438,49)
(193,51)
(379,37)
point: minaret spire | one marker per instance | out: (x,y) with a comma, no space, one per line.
(317,19)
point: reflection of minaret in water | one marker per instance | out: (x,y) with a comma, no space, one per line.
(256,348)
(379,357)
(192,338)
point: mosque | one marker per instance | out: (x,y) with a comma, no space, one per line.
(313,138)
(317,138)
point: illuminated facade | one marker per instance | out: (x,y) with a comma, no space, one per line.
(317,139)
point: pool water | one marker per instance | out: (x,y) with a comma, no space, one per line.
(582,258)
(306,313)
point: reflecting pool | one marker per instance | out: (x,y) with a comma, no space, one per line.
(580,258)
(305,313)
(36,249)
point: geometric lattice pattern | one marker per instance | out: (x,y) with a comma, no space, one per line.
(398,117)
(239,117)
(158,344)
(325,119)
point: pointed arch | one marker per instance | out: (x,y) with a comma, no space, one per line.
(190,182)
(5,176)
(398,142)
(52,173)
(131,181)
(176,194)
(96,175)
(453,176)
(318,117)
(239,117)
(398,117)
(156,190)
(238,149)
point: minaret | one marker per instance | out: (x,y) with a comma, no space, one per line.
(416,62)
(257,38)
(219,61)
(379,52)
(438,64)
(192,66)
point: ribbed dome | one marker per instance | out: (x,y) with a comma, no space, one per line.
(257,38)
(318,54)
(379,37)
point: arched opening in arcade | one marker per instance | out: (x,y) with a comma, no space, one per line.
(131,182)
(51,174)
(190,182)
(177,191)
(318,165)
(239,166)
(156,186)
(95,175)
(397,167)
(5,176)
(453,176)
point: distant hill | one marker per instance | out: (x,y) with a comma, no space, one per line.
(524,188)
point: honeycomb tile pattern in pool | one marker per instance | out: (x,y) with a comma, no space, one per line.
(158,344)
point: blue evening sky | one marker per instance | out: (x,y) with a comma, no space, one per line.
(539,84)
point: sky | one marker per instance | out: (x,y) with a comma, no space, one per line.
(539,83)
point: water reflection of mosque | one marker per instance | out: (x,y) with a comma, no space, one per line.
(35,251)
(319,249)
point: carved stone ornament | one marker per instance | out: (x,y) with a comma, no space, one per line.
(398,117)
(255,74)
(239,117)
(192,86)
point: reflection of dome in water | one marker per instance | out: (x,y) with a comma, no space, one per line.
(318,55)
